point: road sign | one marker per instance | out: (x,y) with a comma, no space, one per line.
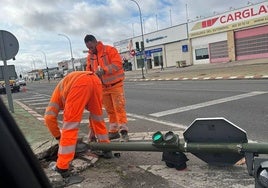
(9,45)
(132,52)
(215,130)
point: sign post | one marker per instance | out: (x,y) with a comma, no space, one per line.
(9,47)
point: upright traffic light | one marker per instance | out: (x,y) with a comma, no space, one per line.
(142,46)
(137,46)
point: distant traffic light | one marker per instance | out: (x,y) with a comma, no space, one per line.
(137,46)
(142,46)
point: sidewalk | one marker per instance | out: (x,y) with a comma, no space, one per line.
(251,69)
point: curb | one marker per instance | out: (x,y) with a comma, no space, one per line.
(249,77)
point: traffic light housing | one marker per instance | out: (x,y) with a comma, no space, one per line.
(168,139)
(173,159)
(137,46)
(142,46)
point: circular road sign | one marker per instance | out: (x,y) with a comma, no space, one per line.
(132,52)
(9,45)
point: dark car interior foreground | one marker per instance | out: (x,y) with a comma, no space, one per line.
(18,165)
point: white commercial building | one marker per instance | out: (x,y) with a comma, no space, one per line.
(239,34)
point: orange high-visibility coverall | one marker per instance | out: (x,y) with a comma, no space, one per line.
(114,102)
(77,91)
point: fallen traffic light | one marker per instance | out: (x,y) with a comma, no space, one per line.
(166,140)
(216,141)
(173,159)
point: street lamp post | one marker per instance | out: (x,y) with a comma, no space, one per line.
(142,36)
(33,64)
(72,59)
(48,78)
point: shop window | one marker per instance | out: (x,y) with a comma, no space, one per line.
(158,59)
(201,53)
(140,62)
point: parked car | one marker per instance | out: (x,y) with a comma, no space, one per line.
(58,76)
(14,86)
(21,82)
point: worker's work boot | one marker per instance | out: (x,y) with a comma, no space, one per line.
(124,136)
(63,172)
(113,135)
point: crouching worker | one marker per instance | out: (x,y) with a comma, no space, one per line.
(77,91)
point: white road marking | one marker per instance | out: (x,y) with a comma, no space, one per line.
(40,108)
(36,100)
(105,119)
(30,98)
(208,103)
(40,103)
(157,121)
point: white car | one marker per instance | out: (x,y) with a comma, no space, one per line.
(57,76)
(21,82)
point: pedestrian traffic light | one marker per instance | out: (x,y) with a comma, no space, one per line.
(137,46)
(142,46)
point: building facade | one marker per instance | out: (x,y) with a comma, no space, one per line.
(165,47)
(239,34)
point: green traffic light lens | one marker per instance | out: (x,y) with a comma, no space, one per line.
(157,137)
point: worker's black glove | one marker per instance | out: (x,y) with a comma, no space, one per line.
(100,72)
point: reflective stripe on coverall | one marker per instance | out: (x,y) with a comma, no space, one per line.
(77,91)
(113,87)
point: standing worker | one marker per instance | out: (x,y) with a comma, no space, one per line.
(77,91)
(106,62)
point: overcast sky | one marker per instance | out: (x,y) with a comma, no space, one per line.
(37,23)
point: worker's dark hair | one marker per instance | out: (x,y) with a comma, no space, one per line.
(90,38)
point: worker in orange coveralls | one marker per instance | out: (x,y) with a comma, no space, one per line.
(106,62)
(77,91)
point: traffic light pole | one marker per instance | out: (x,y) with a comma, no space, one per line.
(143,51)
(182,146)
(248,150)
